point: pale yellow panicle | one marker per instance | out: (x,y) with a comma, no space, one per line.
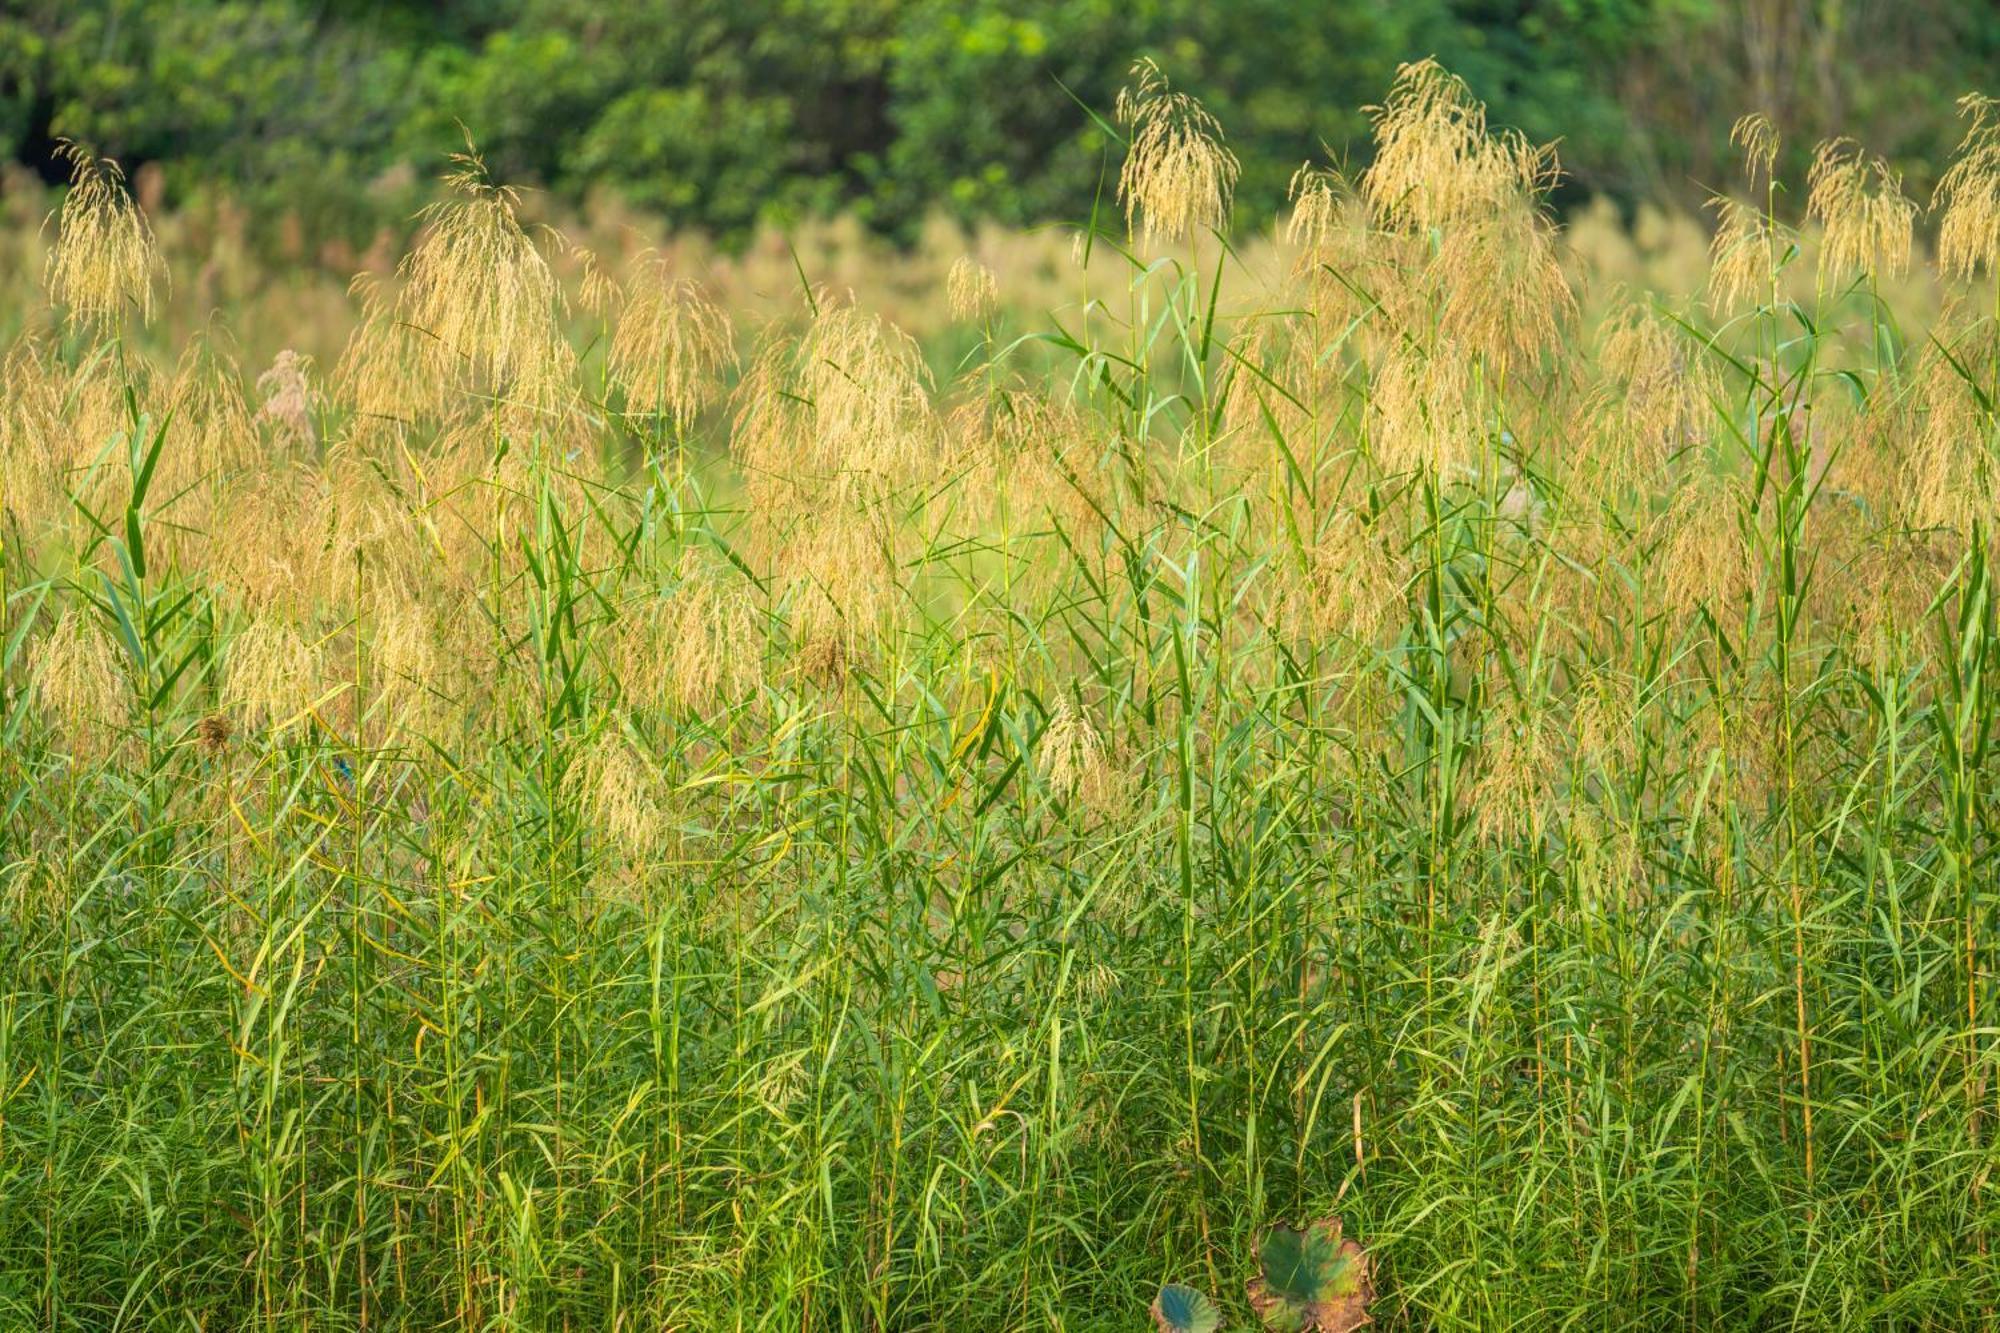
(1757,138)
(1741,255)
(1029,461)
(212,433)
(1332,250)
(1072,757)
(271,675)
(1859,201)
(843,413)
(89,445)
(1968,194)
(381,374)
(287,399)
(407,661)
(597,290)
(1316,194)
(870,389)
(1950,470)
(1346,584)
(1439,172)
(1659,392)
(972,292)
(1420,416)
(267,551)
(481,298)
(1706,560)
(621,794)
(1178,178)
(105,265)
(671,345)
(1505,296)
(837,577)
(1436,164)
(696,648)
(76,675)
(1266,355)
(363,532)
(31,413)
(1518,753)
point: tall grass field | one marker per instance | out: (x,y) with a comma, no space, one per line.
(594,810)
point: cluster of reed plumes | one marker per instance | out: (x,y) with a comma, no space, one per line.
(584,812)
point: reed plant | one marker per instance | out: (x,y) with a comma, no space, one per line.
(710,825)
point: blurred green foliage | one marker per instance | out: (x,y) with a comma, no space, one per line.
(728,113)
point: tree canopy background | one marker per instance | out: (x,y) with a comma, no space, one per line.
(726,114)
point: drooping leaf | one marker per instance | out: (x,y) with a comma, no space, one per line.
(1183,1309)
(1313,1281)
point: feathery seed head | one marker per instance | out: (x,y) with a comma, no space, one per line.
(1758,138)
(265,552)
(1860,202)
(407,661)
(271,673)
(971,290)
(1072,757)
(1347,584)
(1605,722)
(842,413)
(1317,195)
(1419,411)
(212,433)
(1968,194)
(671,345)
(871,396)
(359,522)
(620,792)
(836,575)
(1029,457)
(1267,352)
(31,424)
(1348,275)
(1435,162)
(1505,296)
(717,650)
(1707,559)
(381,373)
(287,396)
(1658,391)
(1510,796)
(1741,254)
(597,291)
(104,262)
(1950,477)
(88,447)
(695,648)
(1441,178)
(75,673)
(481,297)
(1177,178)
